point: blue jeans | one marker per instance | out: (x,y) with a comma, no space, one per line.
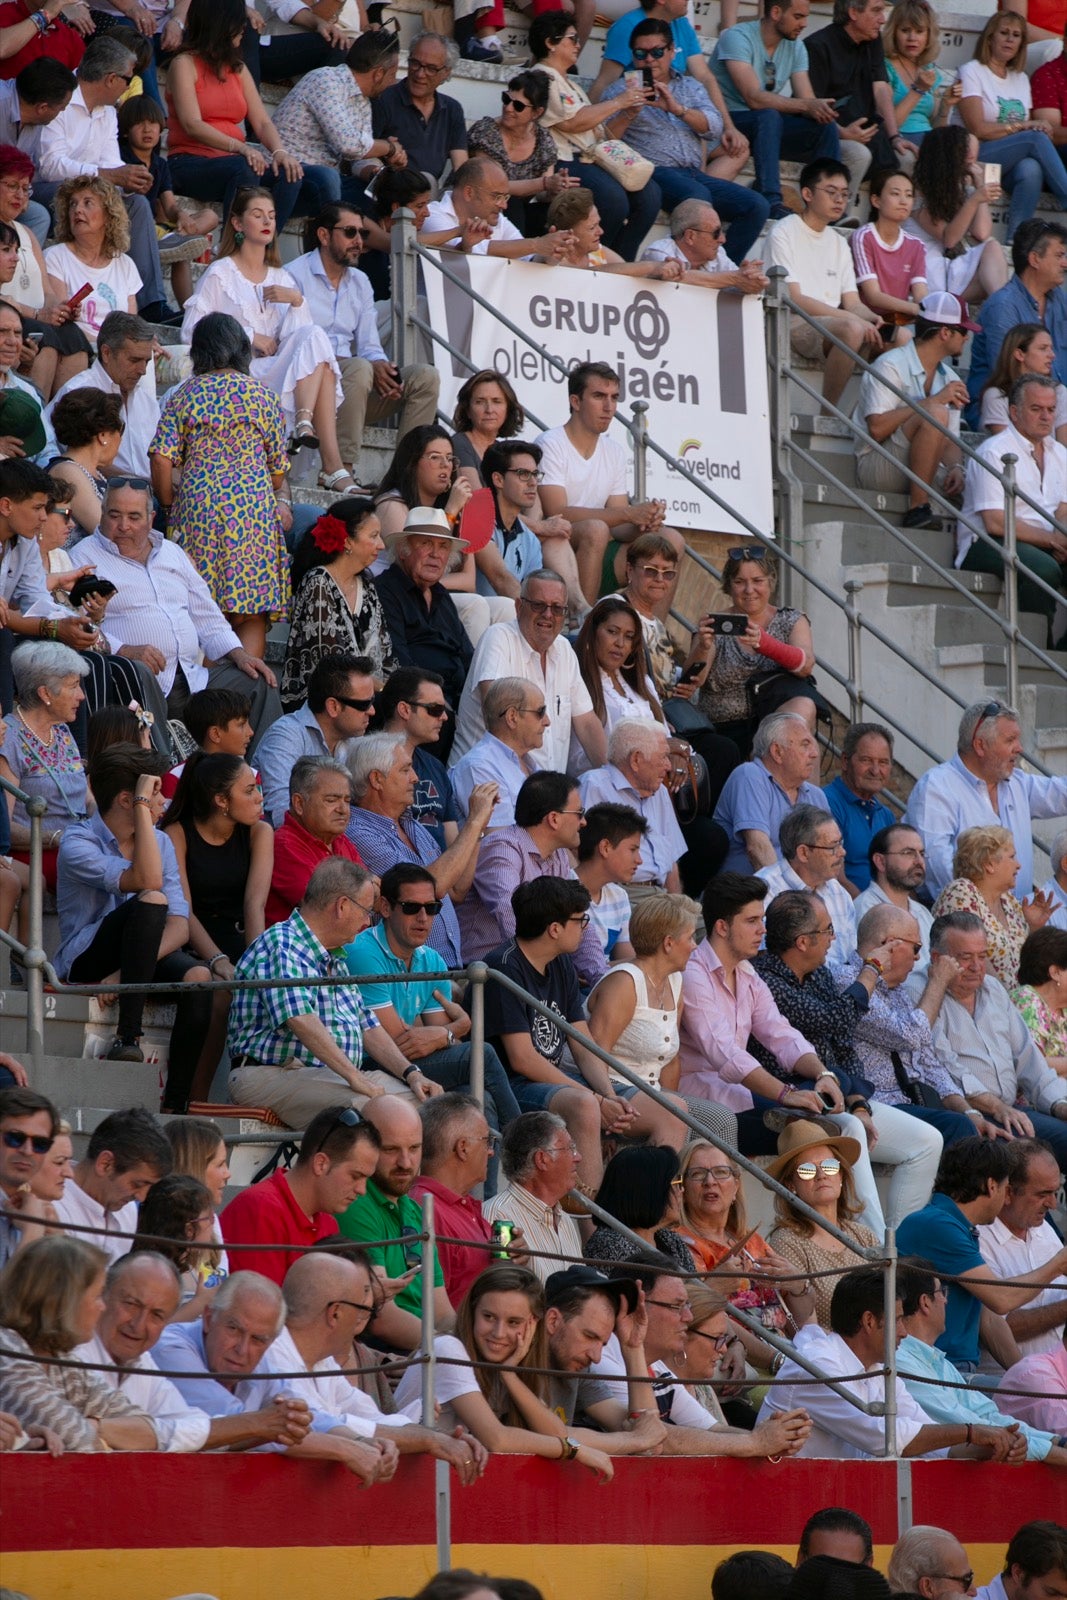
(625,218)
(1029,162)
(1052,1130)
(951,1125)
(219,177)
(451,1068)
(773,134)
(744,209)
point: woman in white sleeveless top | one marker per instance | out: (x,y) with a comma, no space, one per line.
(636,1008)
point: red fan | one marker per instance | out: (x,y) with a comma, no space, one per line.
(477,520)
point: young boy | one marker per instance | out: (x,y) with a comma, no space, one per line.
(609,853)
(141,124)
(218,720)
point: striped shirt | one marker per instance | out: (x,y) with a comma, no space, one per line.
(547,1228)
(68,1400)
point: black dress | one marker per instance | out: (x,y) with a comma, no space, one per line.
(218,875)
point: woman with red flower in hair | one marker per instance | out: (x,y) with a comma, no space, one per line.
(222,434)
(336,605)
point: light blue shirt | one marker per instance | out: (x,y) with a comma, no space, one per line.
(744,42)
(87,879)
(949,798)
(837,900)
(994,1045)
(346,313)
(1058,918)
(753,800)
(491,761)
(916,1360)
(378,840)
(663,845)
(617,43)
(370,952)
(284,742)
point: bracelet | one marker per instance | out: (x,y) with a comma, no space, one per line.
(823,1075)
(220,955)
(785,1089)
(860,1105)
(40,21)
(875,966)
(141,800)
(635,1415)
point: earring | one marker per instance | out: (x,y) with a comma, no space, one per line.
(238,237)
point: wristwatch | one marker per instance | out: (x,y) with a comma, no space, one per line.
(450,1036)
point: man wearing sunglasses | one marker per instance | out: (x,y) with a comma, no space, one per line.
(516,716)
(340,701)
(695,240)
(28,1127)
(414,703)
(341,300)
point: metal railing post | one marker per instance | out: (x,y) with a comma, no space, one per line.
(890,1357)
(639,434)
(853,588)
(479,972)
(405,287)
(35,958)
(790,488)
(442,1486)
(1011,578)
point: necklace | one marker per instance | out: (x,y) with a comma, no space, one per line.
(49,754)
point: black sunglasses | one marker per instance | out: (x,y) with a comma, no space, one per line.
(349,231)
(510,100)
(354,705)
(39,1143)
(436,708)
(346,1117)
(411,908)
(128,483)
(654,52)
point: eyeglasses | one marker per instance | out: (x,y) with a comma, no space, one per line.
(653,52)
(562,1150)
(440,460)
(354,705)
(711,1174)
(770,77)
(347,1117)
(580,812)
(350,231)
(909,944)
(818,933)
(127,78)
(808,1169)
(667,574)
(569,38)
(966,1578)
(39,1143)
(488,1139)
(527,474)
(411,908)
(838,844)
(908,855)
(582,917)
(835,192)
(411,1244)
(747,552)
(712,233)
(431,71)
(510,100)
(353,1305)
(718,1341)
(677,1183)
(436,709)
(995,708)
(13,186)
(545,608)
(679,1307)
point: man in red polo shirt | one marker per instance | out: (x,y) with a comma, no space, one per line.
(456,1144)
(313,830)
(295,1209)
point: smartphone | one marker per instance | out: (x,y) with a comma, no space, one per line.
(991,172)
(411,1244)
(691,671)
(646,78)
(34,338)
(728,625)
(76,299)
(827,1099)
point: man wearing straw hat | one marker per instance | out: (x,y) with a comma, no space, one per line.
(421,615)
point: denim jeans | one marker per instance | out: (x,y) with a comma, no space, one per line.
(625,218)
(219,177)
(743,209)
(1029,162)
(773,134)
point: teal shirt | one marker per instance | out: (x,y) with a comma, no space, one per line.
(917,1360)
(744,42)
(370,952)
(378,1216)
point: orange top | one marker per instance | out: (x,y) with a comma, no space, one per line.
(222,104)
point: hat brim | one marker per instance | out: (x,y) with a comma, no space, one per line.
(427,531)
(845,1146)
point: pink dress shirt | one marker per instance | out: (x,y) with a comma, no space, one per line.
(715,1029)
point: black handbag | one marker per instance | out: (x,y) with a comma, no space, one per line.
(915,1091)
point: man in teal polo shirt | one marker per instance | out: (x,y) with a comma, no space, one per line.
(387,1211)
(971,1188)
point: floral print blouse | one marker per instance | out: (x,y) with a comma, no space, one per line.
(1004,940)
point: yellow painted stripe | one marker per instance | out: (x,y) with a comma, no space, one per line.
(615,1572)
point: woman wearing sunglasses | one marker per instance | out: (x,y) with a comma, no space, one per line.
(817,1168)
(525,149)
(336,606)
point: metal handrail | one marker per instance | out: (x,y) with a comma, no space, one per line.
(32,955)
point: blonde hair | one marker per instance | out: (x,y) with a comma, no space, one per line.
(983,50)
(661,916)
(42,1287)
(116,222)
(976,848)
(193,1142)
(228,245)
(736,1222)
(705,1302)
(847,1204)
(919,14)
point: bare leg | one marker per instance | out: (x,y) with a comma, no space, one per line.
(43,372)
(214,1042)
(559,557)
(927,448)
(324,411)
(801,707)
(581,1113)
(656,1122)
(725,166)
(181,281)
(252,632)
(69,367)
(590,539)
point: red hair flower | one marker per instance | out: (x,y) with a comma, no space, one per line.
(330,534)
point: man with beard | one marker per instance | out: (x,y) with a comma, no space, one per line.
(897,859)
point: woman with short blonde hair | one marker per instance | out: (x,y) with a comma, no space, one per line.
(985,868)
(92,249)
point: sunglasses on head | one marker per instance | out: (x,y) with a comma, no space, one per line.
(128,483)
(510,100)
(346,1117)
(411,908)
(652,52)
(808,1169)
(747,552)
(39,1143)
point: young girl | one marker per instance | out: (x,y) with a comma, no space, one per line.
(141,124)
(1027,349)
(952,208)
(890,264)
(179,1208)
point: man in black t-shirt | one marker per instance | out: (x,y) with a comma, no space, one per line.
(846,64)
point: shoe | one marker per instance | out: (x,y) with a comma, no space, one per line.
(123,1050)
(777,212)
(303,436)
(161,313)
(923,516)
(484,50)
(778,1119)
(340,482)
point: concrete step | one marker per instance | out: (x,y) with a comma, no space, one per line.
(81,1086)
(991,660)
(866,542)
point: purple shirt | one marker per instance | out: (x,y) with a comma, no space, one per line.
(715,1029)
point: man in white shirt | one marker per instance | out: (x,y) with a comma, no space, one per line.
(341,300)
(516,717)
(1022,1239)
(532,647)
(123,366)
(585,475)
(635,775)
(981,785)
(1056,887)
(812,854)
(1041,471)
(470,216)
(821,279)
(695,240)
(141,1296)
(127,1153)
(898,865)
(84,138)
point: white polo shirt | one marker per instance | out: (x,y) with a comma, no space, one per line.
(982,492)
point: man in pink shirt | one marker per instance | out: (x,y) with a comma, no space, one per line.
(1045,1377)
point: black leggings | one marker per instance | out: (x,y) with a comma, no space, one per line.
(127,941)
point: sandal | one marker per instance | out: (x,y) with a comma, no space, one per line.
(341,479)
(303,435)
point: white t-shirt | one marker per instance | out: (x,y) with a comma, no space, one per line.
(610,916)
(995,408)
(450,1383)
(1003,99)
(672,1396)
(113,285)
(820,264)
(589,482)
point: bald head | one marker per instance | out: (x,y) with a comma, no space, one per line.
(141,1295)
(317,1279)
(882,923)
(400,1131)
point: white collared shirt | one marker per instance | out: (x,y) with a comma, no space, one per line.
(834,897)
(180,1428)
(1012,1257)
(442,214)
(982,492)
(502,652)
(326,1389)
(80,1208)
(78,142)
(346,314)
(140,410)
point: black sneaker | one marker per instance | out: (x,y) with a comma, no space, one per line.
(123,1050)
(923,516)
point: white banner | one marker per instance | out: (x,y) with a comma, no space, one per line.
(696,355)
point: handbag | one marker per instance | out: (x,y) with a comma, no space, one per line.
(692,796)
(914,1090)
(622,161)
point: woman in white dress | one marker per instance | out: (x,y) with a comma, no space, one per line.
(290,354)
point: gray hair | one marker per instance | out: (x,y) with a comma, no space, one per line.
(43,664)
(121,486)
(250,1284)
(118,1269)
(843,7)
(374,753)
(104,54)
(442,1118)
(220,344)
(330,880)
(916,1555)
(541,575)
(861,730)
(1058,850)
(304,778)
(634,734)
(504,695)
(800,826)
(951,922)
(1020,386)
(449,46)
(523,1138)
(122,327)
(975,716)
(771,730)
(687,215)
(876,925)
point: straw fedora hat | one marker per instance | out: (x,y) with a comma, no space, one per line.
(801,1135)
(428,521)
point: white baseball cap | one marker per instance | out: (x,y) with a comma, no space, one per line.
(947,309)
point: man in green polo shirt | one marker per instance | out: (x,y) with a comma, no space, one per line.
(387,1211)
